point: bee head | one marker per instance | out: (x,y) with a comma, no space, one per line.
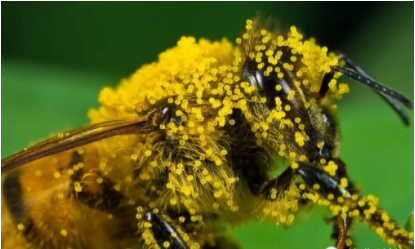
(314,126)
(287,73)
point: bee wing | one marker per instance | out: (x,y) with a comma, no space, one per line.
(77,137)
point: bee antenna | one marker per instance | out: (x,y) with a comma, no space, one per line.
(392,103)
(381,89)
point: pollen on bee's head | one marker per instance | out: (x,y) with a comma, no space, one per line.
(286,54)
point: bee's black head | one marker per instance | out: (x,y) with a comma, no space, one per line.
(318,122)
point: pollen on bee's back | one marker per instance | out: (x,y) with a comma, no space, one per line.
(181,70)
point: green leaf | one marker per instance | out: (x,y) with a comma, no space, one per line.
(409,226)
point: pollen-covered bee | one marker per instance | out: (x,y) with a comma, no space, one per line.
(188,142)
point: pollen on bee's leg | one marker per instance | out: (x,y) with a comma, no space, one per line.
(379,221)
(365,208)
(160,232)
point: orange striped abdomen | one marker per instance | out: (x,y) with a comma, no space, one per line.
(64,201)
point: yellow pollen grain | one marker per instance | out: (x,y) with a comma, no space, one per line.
(20,227)
(147,153)
(64,232)
(134,157)
(78,187)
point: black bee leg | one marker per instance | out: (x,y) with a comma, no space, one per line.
(260,184)
(328,186)
(164,233)
(345,203)
(280,184)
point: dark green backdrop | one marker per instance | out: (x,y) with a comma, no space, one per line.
(57,56)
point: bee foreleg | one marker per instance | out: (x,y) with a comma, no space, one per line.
(345,204)
(261,185)
(328,186)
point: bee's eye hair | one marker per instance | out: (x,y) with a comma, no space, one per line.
(373,84)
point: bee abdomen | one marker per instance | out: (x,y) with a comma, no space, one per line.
(45,206)
(17,208)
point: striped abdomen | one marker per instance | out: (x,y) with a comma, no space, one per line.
(65,201)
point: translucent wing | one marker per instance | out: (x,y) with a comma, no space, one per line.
(76,138)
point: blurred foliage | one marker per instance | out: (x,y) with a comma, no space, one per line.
(409,226)
(56,57)
(410,223)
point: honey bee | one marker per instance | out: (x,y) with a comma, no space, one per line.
(188,142)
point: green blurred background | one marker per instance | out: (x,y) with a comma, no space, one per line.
(57,56)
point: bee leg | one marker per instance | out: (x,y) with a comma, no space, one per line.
(326,185)
(345,203)
(341,228)
(280,184)
(342,225)
(163,232)
(259,183)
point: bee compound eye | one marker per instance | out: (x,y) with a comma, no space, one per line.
(253,75)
